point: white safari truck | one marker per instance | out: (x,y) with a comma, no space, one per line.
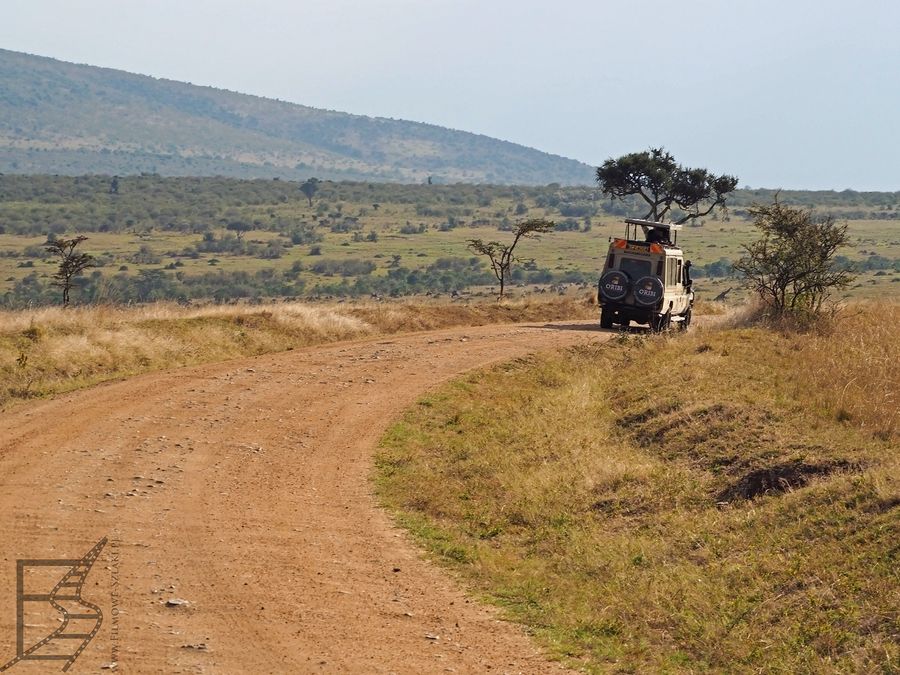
(646,279)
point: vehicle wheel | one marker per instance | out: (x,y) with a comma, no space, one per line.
(623,324)
(614,285)
(648,291)
(687,320)
(606,318)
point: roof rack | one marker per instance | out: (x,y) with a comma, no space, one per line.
(632,224)
(652,223)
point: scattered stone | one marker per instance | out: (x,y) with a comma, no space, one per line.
(177,602)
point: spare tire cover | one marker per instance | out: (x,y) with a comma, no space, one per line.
(614,285)
(648,291)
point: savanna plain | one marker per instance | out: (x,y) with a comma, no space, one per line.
(721,500)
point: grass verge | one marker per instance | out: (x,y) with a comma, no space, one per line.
(46,351)
(701,503)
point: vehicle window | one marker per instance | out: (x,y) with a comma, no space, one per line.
(678,275)
(635,267)
(670,272)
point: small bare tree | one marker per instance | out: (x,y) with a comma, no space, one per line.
(239,228)
(502,256)
(71,263)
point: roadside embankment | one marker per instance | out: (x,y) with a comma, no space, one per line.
(725,500)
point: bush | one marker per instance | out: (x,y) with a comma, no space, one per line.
(345,268)
(791,266)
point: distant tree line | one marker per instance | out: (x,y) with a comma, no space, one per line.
(39,205)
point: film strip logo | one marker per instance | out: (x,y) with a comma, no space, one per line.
(80,620)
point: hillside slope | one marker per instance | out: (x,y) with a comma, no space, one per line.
(58,117)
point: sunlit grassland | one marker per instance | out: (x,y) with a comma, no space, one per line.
(718,238)
(50,350)
(724,501)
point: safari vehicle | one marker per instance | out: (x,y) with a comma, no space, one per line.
(646,279)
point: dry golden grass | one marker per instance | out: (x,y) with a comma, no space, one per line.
(847,362)
(710,308)
(49,350)
(668,504)
(854,370)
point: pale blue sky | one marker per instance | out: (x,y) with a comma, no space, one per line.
(790,93)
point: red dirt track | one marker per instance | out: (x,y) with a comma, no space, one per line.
(245,488)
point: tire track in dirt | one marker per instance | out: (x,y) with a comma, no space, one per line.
(244,488)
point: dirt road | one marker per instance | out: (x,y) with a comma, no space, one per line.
(244,489)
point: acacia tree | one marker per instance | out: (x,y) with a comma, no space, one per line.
(791,266)
(655,177)
(239,228)
(309,188)
(502,256)
(71,263)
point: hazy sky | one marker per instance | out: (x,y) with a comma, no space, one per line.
(789,93)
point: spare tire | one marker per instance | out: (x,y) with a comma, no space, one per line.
(614,285)
(648,291)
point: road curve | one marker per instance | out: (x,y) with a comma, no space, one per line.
(243,488)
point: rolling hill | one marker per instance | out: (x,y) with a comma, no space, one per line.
(63,118)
